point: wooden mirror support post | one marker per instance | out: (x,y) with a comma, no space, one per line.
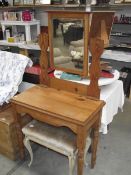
(43,43)
(96,48)
(100,29)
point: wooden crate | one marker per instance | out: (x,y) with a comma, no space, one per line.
(8,136)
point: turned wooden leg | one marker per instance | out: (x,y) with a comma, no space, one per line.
(17,118)
(81,142)
(95,137)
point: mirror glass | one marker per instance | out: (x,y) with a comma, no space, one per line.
(68,43)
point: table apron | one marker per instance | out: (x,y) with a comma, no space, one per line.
(46,118)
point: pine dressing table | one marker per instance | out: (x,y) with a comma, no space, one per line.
(64,103)
(60,108)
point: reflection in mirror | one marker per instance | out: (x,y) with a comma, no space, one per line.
(68,43)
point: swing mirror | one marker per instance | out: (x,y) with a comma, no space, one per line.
(68,42)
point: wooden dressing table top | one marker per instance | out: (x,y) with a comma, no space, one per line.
(72,107)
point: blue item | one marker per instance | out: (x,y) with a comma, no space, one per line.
(68,76)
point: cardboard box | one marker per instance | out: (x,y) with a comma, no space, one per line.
(8,135)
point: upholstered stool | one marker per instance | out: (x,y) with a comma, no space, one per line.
(59,139)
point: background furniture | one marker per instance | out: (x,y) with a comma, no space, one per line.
(27,26)
(59,58)
(73,33)
(28,46)
(125,76)
(8,135)
(120,60)
(30,31)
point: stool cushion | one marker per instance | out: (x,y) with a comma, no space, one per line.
(61,138)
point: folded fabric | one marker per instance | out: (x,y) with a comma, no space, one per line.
(33,70)
(12,68)
(106,74)
(68,76)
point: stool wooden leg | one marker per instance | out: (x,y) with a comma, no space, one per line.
(88,143)
(71,164)
(28,147)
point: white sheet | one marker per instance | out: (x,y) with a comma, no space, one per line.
(113,95)
(12,68)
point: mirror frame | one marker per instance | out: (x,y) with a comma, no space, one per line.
(70,15)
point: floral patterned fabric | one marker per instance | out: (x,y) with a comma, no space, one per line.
(12,68)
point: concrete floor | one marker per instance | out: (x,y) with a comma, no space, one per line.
(113,156)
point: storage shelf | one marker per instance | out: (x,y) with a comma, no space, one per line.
(26,25)
(21,45)
(19,23)
(126,46)
(30,46)
(68,7)
(122,36)
(122,23)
